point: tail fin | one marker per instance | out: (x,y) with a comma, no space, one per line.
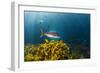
(42,33)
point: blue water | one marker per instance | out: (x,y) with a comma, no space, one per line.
(73,28)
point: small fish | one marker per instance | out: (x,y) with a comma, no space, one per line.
(50,34)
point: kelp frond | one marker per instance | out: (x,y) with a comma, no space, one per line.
(49,50)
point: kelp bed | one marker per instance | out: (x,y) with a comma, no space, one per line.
(50,50)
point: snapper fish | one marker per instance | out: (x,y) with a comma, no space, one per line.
(50,34)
